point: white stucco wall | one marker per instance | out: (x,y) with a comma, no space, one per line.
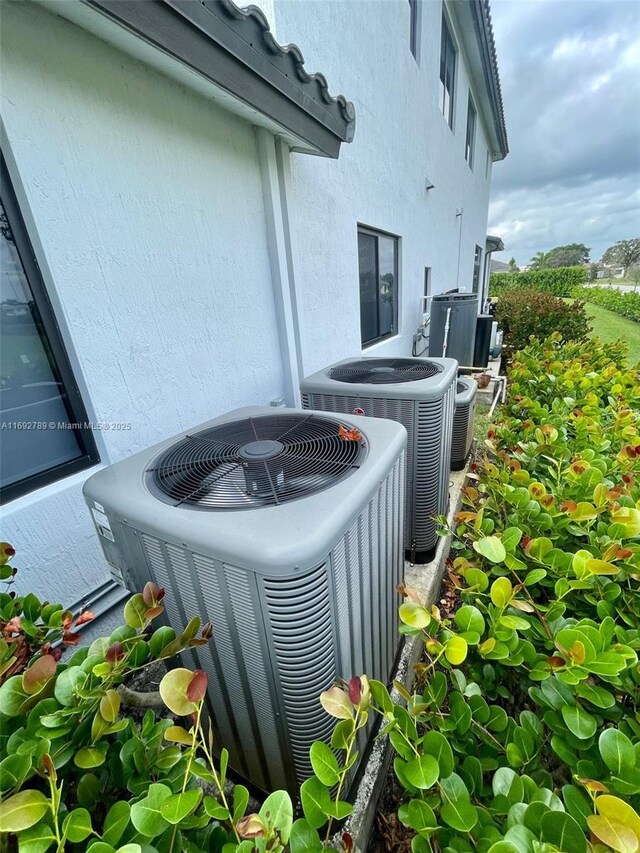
(145,207)
(379,180)
(147,204)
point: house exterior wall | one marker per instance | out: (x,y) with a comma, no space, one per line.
(379,180)
(145,205)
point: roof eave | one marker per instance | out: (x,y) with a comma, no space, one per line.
(230,55)
(476,31)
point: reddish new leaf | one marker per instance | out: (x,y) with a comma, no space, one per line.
(197,688)
(70,639)
(150,593)
(114,653)
(38,674)
(355,690)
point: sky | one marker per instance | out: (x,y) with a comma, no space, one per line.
(570,74)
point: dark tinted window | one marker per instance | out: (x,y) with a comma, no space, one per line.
(43,436)
(378,267)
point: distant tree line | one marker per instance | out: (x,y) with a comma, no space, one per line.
(624,253)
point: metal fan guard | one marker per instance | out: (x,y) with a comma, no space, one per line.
(254,462)
(384,371)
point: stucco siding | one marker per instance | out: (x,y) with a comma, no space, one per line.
(146,206)
(379,180)
(147,203)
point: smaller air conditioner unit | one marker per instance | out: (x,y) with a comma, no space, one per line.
(463,421)
(419,394)
(283,528)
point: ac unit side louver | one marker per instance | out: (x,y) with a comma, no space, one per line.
(463,421)
(418,393)
(287,537)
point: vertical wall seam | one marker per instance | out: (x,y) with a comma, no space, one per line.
(273,172)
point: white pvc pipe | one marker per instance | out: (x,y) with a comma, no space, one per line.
(446,333)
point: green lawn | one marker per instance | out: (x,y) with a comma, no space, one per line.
(610,327)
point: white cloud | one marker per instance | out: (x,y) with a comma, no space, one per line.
(570,73)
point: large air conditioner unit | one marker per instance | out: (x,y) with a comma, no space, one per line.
(418,393)
(463,421)
(285,532)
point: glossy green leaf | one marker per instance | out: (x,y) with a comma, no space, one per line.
(134,611)
(89,757)
(13,771)
(146,814)
(578,721)
(422,772)
(492,548)
(455,650)
(414,614)
(36,839)
(435,744)
(469,618)
(276,813)
(617,752)
(179,806)
(316,800)
(22,810)
(116,822)
(77,825)
(324,764)
(173,690)
(460,815)
(561,829)
(511,537)
(304,838)
(501,592)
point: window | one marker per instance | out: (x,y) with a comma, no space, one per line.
(447,73)
(414,27)
(487,165)
(477,264)
(378,265)
(471,133)
(42,418)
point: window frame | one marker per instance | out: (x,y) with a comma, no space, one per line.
(49,329)
(477,269)
(470,144)
(377,233)
(414,28)
(446,34)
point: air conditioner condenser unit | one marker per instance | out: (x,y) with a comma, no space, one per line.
(419,394)
(283,528)
(463,421)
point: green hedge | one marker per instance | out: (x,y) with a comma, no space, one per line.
(526,313)
(625,303)
(560,281)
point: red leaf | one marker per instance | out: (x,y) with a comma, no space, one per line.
(114,653)
(347,842)
(349,434)
(355,690)
(197,688)
(70,639)
(152,612)
(86,616)
(150,593)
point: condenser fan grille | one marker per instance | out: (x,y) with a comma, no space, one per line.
(384,371)
(261,461)
(461,388)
